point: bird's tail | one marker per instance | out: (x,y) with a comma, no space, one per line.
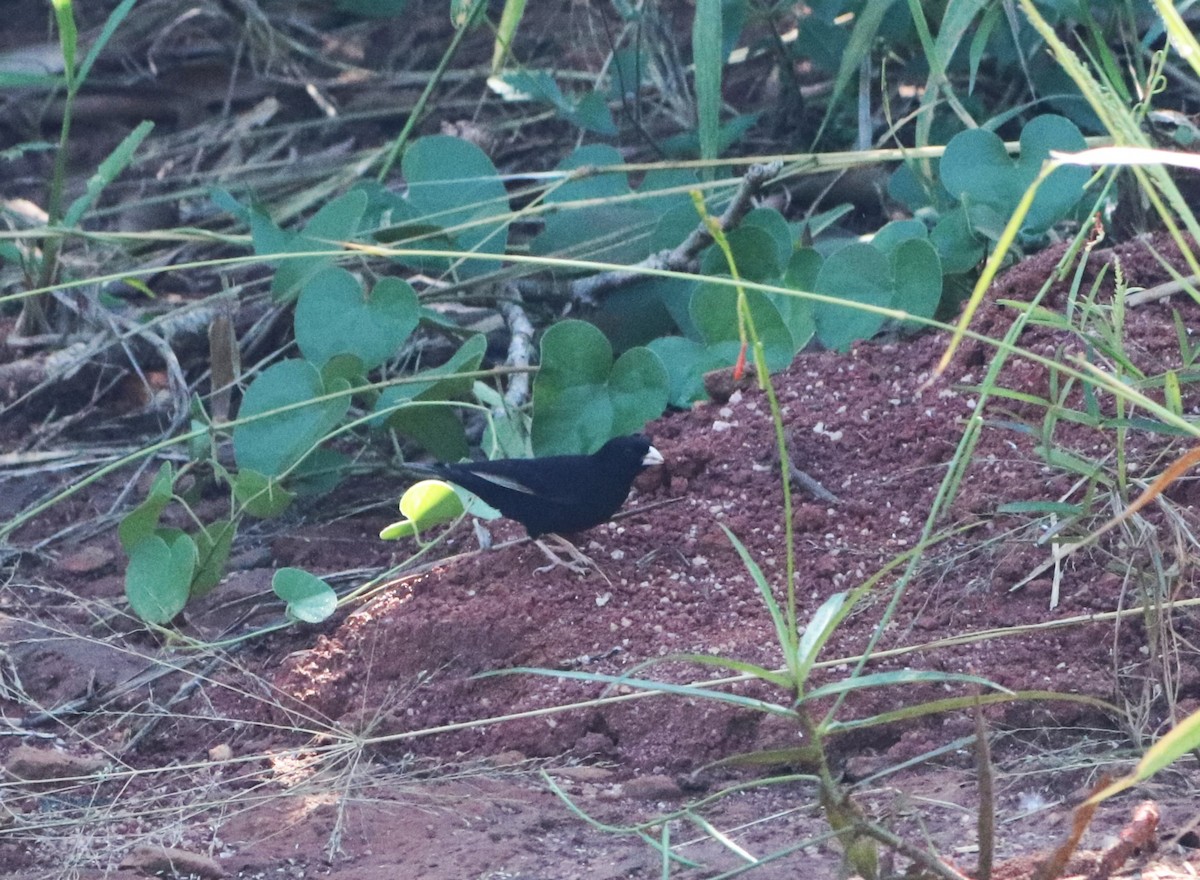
(421,471)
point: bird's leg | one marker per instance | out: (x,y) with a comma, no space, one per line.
(577,560)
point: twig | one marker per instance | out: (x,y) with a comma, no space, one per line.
(1161,291)
(806,481)
(584,291)
(520,345)
(109,334)
(986,824)
(811,486)
(1139,834)
(929,861)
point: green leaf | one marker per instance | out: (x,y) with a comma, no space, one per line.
(453,183)
(581,398)
(687,691)
(319,473)
(708,61)
(612,227)
(213,545)
(895,233)
(347,369)
(754,253)
(674,225)
(857,273)
(637,387)
(979,43)
(101,42)
(444,382)
(436,428)
(899,678)
(675,294)
(773,223)
(506,31)
(159,577)
(857,48)
(589,111)
(687,144)
(917,274)
(334,316)
(107,172)
(959,249)
(783,634)
(68,38)
(308,597)
(779,679)
(287,424)
(506,434)
(656,180)
(600,231)
(1059,508)
(821,41)
(714,312)
(686,361)
(637,313)
(977,169)
(337,221)
(260,495)
(371,8)
(823,624)
(797,311)
(712,316)
(141,522)
(424,504)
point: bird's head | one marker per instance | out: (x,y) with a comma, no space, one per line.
(633,452)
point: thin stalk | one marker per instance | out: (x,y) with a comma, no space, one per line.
(418,109)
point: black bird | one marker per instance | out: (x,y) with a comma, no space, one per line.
(558,494)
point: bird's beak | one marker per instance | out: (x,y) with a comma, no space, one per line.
(652,457)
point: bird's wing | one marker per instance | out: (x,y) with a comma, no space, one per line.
(504,482)
(556,479)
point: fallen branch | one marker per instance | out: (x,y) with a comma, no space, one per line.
(682,258)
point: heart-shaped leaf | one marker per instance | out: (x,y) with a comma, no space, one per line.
(917,273)
(755,253)
(797,311)
(784,325)
(686,361)
(141,522)
(260,496)
(334,316)
(338,220)
(454,185)
(424,504)
(958,247)
(977,170)
(159,577)
(434,427)
(858,273)
(615,229)
(213,544)
(581,398)
(714,312)
(308,597)
(908,277)
(285,420)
